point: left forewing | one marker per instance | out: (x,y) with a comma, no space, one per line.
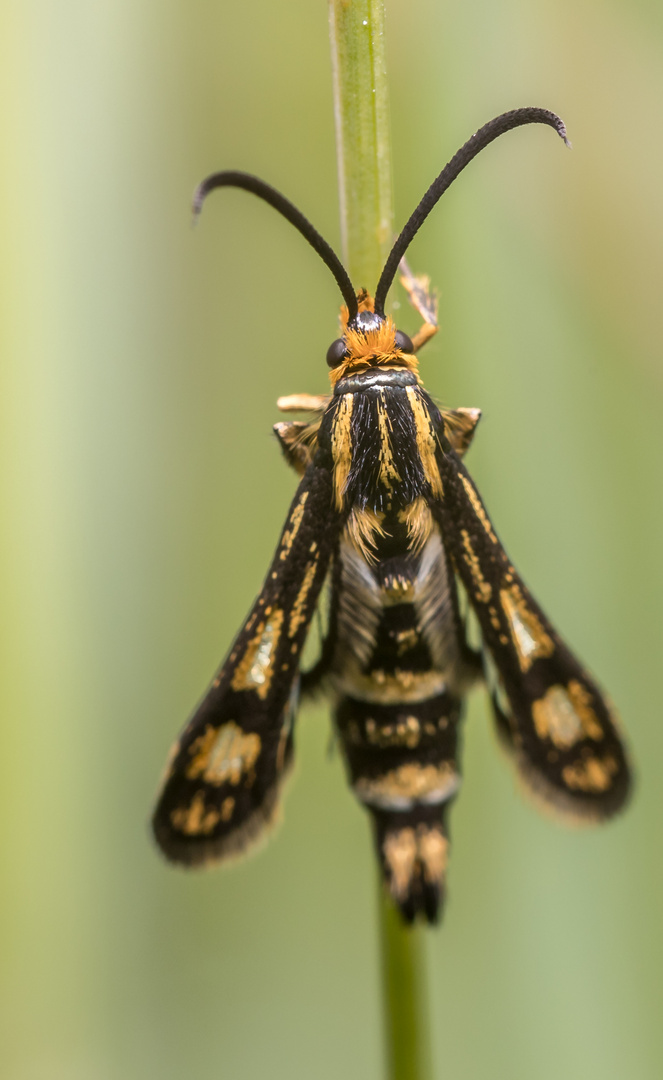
(221,785)
(550,713)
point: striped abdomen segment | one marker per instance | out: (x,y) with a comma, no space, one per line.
(402,762)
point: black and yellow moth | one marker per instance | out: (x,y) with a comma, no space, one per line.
(387,514)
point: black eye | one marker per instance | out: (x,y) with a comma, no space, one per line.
(403,342)
(336,352)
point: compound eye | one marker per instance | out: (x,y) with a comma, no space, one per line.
(336,353)
(403,342)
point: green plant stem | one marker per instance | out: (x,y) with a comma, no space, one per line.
(364,167)
(405,995)
(361,108)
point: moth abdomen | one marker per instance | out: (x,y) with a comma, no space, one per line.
(402,765)
(412,850)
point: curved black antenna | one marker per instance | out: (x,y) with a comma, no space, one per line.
(290,213)
(485,135)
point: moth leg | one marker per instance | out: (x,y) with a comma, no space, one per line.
(312,681)
(424,299)
(316,403)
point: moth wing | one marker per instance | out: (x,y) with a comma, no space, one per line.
(297,440)
(550,713)
(222,782)
(460,426)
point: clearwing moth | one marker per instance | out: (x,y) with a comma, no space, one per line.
(388,515)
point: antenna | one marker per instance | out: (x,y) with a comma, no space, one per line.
(290,212)
(474,145)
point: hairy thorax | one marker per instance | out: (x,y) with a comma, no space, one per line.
(396,620)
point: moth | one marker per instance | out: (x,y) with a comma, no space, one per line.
(387,514)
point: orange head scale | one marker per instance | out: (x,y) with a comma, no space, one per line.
(372,340)
(369,338)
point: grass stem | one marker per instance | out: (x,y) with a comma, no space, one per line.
(361,107)
(405,996)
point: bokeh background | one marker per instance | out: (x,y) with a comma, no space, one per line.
(142,494)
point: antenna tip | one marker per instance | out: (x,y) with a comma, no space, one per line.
(560,128)
(197,202)
(561,131)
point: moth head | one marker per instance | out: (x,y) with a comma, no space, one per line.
(367,340)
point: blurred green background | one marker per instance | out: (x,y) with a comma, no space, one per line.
(142,494)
